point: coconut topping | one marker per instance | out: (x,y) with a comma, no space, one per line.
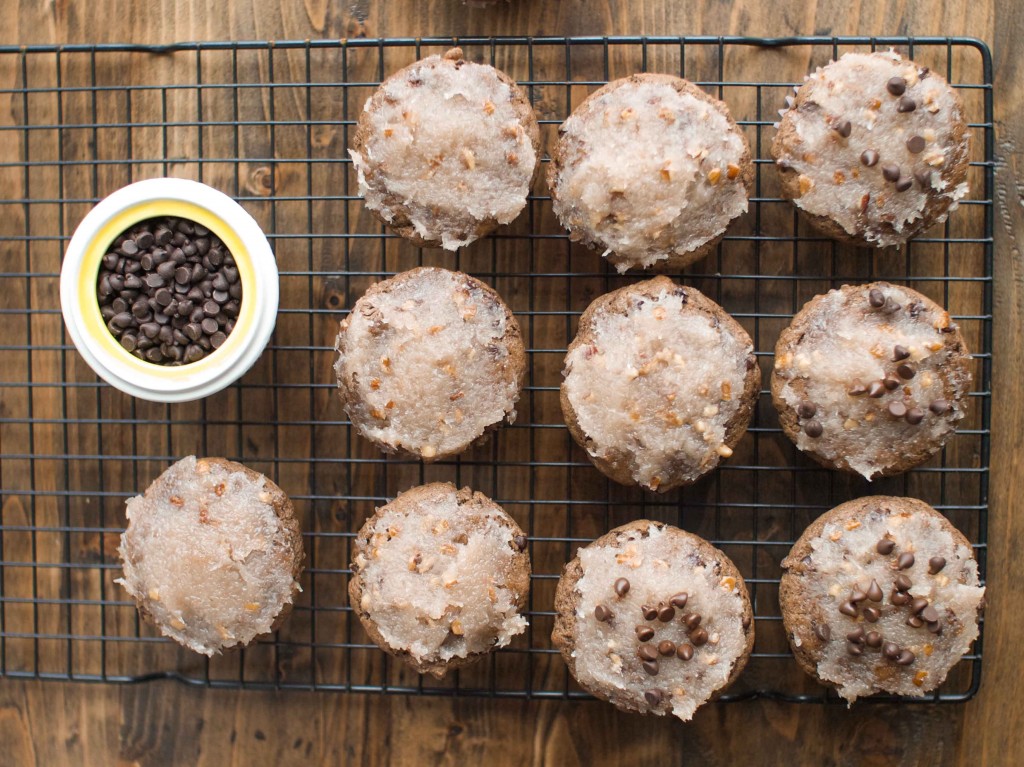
(667,641)
(446,149)
(648,171)
(427,362)
(435,569)
(871,370)
(207,557)
(875,139)
(657,386)
(899,599)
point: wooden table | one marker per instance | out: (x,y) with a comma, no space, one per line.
(164,723)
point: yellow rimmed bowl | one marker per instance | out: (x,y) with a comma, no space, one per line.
(257,269)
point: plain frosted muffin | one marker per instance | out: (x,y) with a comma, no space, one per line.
(446,150)
(659,384)
(440,577)
(874,148)
(429,362)
(653,619)
(650,170)
(881,594)
(212,554)
(871,379)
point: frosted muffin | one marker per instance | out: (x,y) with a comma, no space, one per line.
(874,149)
(653,619)
(871,379)
(446,151)
(440,577)
(881,594)
(212,554)
(659,384)
(429,362)
(650,170)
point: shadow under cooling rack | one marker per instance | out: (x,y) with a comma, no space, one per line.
(269,124)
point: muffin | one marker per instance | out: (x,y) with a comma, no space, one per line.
(871,379)
(881,594)
(440,577)
(212,554)
(429,362)
(653,619)
(874,149)
(650,170)
(659,384)
(446,151)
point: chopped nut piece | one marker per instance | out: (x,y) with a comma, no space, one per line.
(714,176)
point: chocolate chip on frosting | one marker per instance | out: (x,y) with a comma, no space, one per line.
(903,583)
(915,144)
(905,560)
(875,592)
(856,636)
(679,600)
(930,614)
(653,697)
(904,184)
(914,416)
(602,613)
(906,658)
(872,614)
(647,652)
(848,608)
(692,620)
(644,633)
(666,648)
(876,389)
(813,429)
(899,353)
(918,604)
(873,639)
(885,546)
(854,649)
(843,128)
(899,599)
(939,406)
(684,652)
(651,667)
(891,172)
(666,613)
(935,565)
(649,613)
(891,650)
(621,587)
(906,104)
(699,637)
(915,622)
(869,157)
(897,409)
(897,86)
(857,389)
(905,371)
(806,409)
(875,296)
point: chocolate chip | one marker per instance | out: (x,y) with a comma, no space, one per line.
(856,636)
(691,620)
(891,650)
(891,172)
(843,128)
(745,622)
(875,592)
(813,429)
(900,353)
(857,390)
(873,639)
(897,86)
(684,652)
(854,649)
(651,667)
(923,176)
(666,613)
(890,383)
(210,326)
(930,614)
(666,648)
(679,600)
(653,697)
(939,406)
(914,622)
(905,658)
(885,546)
(905,560)
(857,596)
(647,652)
(876,298)
(129,341)
(211,308)
(935,628)
(806,410)
(621,587)
(822,631)
(129,248)
(905,105)
(905,371)
(848,608)
(915,144)
(869,157)
(904,184)
(935,565)
(217,339)
(914,416)
(699,637)
(872,614)
(898,598)
(876,389)
(897,409)
(903,583)
(917,604)
(649,613)
(602,613)
(644,633)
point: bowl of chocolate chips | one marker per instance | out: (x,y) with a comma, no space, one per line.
(169,290)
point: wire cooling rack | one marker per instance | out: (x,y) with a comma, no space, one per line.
(269,123)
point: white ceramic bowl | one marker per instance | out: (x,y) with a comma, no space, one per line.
(257,270)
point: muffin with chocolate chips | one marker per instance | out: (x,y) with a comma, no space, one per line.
(429,362)
(871,379)
(440,577)
(650,170)
(659,384)
(874,149)
(446,151)
(212,554)
(881,594)
(653,619)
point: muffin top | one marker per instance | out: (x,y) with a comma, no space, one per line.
(649,168)
(211,554)
(879,145)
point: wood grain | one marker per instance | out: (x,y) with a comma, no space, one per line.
(164,723)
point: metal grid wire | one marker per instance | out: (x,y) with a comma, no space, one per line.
(268,123)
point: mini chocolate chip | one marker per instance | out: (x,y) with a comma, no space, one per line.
(644,633)
(914,622)
(885,546)
(813,429)
(857,390)
(897,409)
(897,86)
(856,636)
(900,353)
(154,280)
(917,604)
(872,614)
(843,128)
(621,587)
(217,339)
(876,298)
(915,144)
(129,341)
(914,416)
(806,410)
(666,613)
(890,383)
(691,620)
(666,648)
(699,637)
(906,104)
(194,353)
(129,248)
(602,613)
(904,184)
(873,639)
(899,598)
(891,650)
(905,560)
(822,631)
(210,326)
(906,658)
(220,296)
(684,652)
(923,176)
(211,308)
(903,583)
(875,592)
(647,652)
(679,600)
(649,613)
(848,608)
(930,614)
(939,406)
(935,565)
(869,157)
(854,649)
(651,667)
(891,172)
(653,697)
